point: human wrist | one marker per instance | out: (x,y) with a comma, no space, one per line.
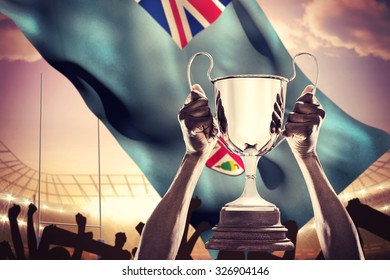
(197,155)
(306,157)
(13,218)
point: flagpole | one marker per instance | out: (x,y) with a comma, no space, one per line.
(40,155)
(99,181)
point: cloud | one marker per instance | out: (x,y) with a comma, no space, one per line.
(296,36)
(333,26)
(287,17)
(13,44)
(360,25)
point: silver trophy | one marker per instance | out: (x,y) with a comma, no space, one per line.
(250,112)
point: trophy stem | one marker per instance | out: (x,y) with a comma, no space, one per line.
(250,223)
(250,189)
(250,197)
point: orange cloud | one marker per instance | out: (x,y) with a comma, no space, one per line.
(13,44)
(361,25)
(287,17)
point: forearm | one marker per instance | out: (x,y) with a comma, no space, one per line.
(81,225)
(336,232)
(163,231)
(17,239)
(31,238)
(80,238)
(78,251)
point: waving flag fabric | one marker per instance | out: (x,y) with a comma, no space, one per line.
(132,75)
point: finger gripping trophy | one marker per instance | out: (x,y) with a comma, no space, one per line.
(249,111)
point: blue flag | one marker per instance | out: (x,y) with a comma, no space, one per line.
(132,75)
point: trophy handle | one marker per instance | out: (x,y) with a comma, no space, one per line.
(292,78)
(295,72)
(208,71)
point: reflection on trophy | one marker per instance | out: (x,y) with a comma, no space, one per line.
(249,112)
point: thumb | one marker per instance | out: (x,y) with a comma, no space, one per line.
(198,89)
(308,89)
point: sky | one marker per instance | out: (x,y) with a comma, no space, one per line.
(350,39)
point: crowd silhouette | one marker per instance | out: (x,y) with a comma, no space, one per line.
(55,241)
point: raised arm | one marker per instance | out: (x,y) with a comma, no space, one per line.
(13,214)
(6,251)
(31,237)
(81,224)
(163,231)
(336,232)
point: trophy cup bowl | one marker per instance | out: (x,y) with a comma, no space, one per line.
(249,126)
(249,113)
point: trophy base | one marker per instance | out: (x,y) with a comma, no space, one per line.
(249,231)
